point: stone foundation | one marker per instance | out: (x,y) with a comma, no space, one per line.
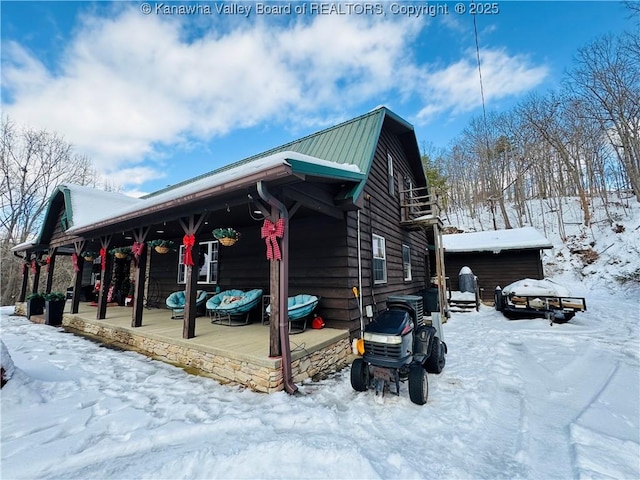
(260,374)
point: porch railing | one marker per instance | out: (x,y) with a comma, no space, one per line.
(417,206)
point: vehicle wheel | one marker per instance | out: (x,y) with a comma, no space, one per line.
(418,385)
(359,375)
(497,298)
(563,317)
(435,362)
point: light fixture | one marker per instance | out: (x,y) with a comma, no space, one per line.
(159,231)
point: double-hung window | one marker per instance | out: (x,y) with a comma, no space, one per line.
(379,260)
(207,263)
(406,262)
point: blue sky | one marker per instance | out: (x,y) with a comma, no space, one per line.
(155,98)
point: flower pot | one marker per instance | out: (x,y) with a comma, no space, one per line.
(160,249)
(54,311)
(227,242)
(35,306)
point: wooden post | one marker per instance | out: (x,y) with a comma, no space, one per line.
(36,276)
(138,289)
(139,277)
(105,279)
(51,268)
(191,273)
(25,281)
(190,309)
(274,323)
(280,290)
(77,285)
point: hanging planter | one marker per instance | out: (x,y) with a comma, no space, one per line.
(89,255)
(226,236)
(121,252)
(161,246)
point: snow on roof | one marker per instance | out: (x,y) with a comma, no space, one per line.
(105,211)
(87,202)
(495,240)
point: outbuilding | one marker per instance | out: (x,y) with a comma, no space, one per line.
(496,257)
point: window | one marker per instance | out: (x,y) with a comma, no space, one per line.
(390,174)
(207,264)
(379,260)
(406,262)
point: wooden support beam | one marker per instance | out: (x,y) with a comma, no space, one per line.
(25,281)
(190,309)
(51,268)
(36,274)
(279,288)
(78,246)
(105,278)
(139,236)
(191,226)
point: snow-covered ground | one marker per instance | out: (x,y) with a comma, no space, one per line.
(517,399)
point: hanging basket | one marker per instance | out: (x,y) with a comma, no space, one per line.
(228,242)
(160,249)
(89,259)
(120,255)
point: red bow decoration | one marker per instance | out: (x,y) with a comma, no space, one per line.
(271,232)
(103,259)
(188,241)
(34,266)
(74,259)
(25,268)
(137,249)
(48,260)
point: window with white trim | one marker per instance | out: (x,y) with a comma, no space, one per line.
(379,260)
(207,264)
(390,174)
(406,262)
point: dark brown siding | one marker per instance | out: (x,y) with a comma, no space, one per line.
(495,269)
(324,250)
(381,216)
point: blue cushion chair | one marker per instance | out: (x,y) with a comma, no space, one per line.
(176,302)
(299,307)
(232,307)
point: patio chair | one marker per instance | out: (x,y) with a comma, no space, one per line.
(299,308)
(176,302)
(232,307)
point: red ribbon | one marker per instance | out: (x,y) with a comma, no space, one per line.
(103,259)
(137,249)
(34,266)
(188,241)
(48,260)
(271,232)
(74,259)
(25,268)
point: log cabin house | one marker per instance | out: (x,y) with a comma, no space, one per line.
(357,218)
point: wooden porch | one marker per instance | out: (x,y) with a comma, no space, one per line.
(238,355)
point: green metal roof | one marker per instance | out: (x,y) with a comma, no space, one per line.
(352,142)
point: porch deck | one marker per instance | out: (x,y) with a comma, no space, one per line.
(237,355)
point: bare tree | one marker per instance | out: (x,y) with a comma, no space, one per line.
(32,164)
(607,78)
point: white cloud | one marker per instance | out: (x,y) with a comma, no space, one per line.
(456,88)
(132,83)
(129,85)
